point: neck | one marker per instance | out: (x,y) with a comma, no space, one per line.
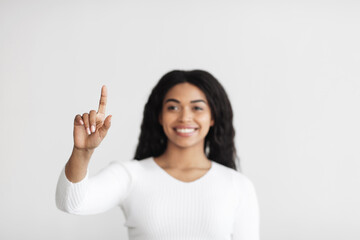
(183,158)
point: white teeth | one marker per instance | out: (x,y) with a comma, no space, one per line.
(185,130)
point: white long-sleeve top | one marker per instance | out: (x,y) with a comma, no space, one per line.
(222,204)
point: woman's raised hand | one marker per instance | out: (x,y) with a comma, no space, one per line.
(91,128)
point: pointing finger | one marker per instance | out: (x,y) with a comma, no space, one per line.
(103,100)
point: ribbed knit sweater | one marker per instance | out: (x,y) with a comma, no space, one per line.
(222,204)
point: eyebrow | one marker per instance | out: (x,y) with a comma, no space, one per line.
(177,101)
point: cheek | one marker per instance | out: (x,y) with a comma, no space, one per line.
(167,119)
(163,118)
(205,119)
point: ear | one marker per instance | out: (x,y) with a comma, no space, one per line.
(212,122)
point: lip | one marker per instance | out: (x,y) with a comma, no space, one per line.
(185,126)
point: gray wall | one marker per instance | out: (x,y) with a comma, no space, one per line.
(290,69)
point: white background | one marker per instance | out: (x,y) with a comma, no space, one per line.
(291,69)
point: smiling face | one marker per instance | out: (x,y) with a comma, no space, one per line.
(185,116)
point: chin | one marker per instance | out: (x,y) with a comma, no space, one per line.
(186,145)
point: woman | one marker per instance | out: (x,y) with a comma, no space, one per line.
(183,182)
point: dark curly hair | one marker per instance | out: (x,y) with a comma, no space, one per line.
(219,142)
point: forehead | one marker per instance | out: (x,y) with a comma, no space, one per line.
(185,92)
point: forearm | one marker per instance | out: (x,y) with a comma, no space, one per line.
(94,194)
(76,167)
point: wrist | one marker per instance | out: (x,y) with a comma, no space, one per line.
(83,150)
(82,153)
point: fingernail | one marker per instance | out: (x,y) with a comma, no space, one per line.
(81,122)
(88,131)
(93,128)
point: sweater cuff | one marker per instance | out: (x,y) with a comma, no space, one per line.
(69,195)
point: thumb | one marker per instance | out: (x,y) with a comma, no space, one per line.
(105,127)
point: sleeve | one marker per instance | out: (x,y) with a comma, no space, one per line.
(247,223)
(95,194)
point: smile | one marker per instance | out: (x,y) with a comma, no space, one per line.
(185,130)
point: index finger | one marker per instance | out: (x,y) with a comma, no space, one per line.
(103,100)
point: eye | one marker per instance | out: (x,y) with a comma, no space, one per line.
(171,108)
(197,108)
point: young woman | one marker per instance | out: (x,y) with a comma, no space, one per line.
(182,182)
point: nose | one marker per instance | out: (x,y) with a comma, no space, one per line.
(185,115)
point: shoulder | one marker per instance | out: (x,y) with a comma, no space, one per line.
(134,168)
(240,181)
